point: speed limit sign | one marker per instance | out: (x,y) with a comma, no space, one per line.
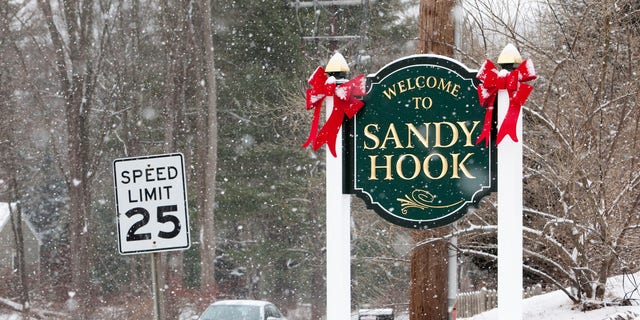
(151,203)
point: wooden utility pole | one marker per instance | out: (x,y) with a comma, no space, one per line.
(436,27)
(428,292)
(208,246)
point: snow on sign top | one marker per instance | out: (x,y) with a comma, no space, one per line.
(151,203)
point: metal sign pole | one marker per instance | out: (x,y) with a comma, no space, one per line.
(155,260)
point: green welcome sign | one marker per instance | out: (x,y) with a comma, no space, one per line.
(415,157)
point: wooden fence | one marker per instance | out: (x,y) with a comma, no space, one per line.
(472,303)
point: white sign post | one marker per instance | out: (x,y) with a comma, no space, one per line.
(151,203)
(509,207)
(509,221)
(338,239)
(338,220)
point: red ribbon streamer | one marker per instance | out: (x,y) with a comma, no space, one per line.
(514,83)
(345,102)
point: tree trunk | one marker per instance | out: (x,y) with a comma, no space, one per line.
(77,81)
(18,238)
(175,19)
(208,245)
(9,156)
(428,292)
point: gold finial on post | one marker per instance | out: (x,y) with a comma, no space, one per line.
(509,57)
(337,64)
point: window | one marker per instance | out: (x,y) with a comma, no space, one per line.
(271,311)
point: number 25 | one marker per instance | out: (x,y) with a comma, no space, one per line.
(161,217)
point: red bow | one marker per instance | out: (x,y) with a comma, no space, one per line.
(344,103)
(513,82)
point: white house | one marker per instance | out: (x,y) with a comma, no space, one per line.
(8,251)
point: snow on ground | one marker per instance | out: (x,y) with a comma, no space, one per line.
(557,306)
(551,306)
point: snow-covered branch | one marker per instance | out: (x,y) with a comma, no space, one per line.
(549,240)
(528,268)
(32,312)
(467,231)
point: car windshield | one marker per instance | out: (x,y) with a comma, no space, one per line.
(231,312)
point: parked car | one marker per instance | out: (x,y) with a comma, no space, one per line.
(242,310)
